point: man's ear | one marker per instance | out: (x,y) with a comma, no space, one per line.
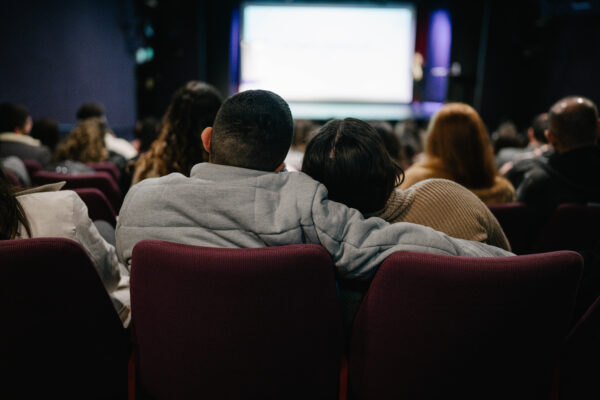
(206,135)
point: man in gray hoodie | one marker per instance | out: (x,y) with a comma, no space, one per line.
(243,198)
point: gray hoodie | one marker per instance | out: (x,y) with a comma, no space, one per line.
(223,206)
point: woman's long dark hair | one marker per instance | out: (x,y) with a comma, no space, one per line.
(193,108)
(11,212)
(349,157)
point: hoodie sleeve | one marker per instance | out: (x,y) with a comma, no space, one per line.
(359,245)
(102,254)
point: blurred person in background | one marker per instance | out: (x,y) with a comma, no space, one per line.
(458,148)
(179,146)
(46,131)
(15,127)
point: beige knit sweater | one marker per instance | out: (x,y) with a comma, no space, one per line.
(448,207)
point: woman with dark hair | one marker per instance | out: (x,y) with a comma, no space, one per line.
(350,159)
(458,148)
(179,146)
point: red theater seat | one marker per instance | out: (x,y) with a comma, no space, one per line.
(220,323)
(61,337)
(102,181)
(434,326)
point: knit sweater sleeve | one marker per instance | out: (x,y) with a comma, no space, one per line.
(448,207)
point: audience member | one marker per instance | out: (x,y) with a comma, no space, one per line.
(391,142)
(411,139)
(179,147)
(47,212)
(537,146)
(507,137)
(115,145)
(569,175)
(350,159)
(516,169)
(46,131)
(457,148)
(15,126)
(84,144)
(238,199)
(146,131)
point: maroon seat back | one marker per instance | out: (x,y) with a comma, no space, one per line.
(32,166)
(97,204)
(102,181)
(435,326)
(61,336)
(107,166)
(580,364)
(570,227)
(519,223)
(235,323)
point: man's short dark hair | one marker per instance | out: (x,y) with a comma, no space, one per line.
(540,125)
(12,116)
(253,129)
(349,157)
(574,122)
(90,110)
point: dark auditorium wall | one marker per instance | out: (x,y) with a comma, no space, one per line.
(537,53)
(57,54)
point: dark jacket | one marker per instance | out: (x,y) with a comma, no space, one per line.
(570,177)
(10,145)
(517,173)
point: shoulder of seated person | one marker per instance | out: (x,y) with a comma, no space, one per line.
(446,188)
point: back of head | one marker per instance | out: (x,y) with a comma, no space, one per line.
(253,129)
(91,110)
(192,109)
(46,130)
(507,136)
(13,117)
(539,125)
(574,122)
(350,159)
(458,138)
(84,143)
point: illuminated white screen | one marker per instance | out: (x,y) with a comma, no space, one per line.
(328,54)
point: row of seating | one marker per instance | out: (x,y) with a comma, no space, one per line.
(570,227)
(265,323)
(105,179)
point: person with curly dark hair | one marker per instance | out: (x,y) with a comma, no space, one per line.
(179,146)
(84,143)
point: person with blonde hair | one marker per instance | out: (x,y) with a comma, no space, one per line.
(457,148)
(179,146)
(84,143)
